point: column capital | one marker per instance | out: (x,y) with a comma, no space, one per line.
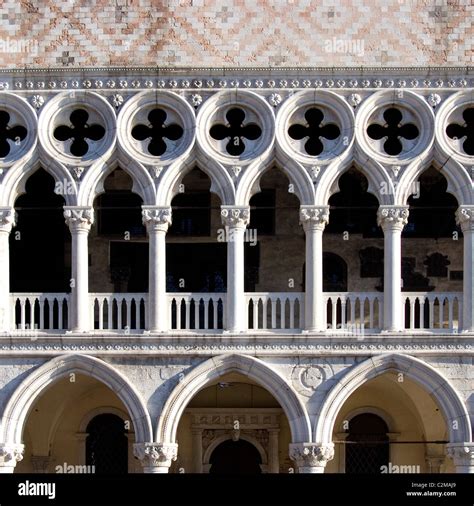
(462,454)
(314,217)
(156,455)
(7,219)
(235,216)
(465,218)
(156,218)
(10,454)
(311,457)
(79,217)
(40,463)
(392,217)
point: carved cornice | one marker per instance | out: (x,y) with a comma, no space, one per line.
(311,454)
(314,217)
(7,219)
(156,218)
(155,454)
(212,344)
(235,217)
(465,218)
(395,217)
(79,218)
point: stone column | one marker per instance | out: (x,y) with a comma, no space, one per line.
(235,220)
(314,219)
(434,463)
(10,454)
(157,220)
(79,220)
(465,219)
(392,219)
(311,458)
(273,460)
(462,455)
(7,222)
(197,449)
(156,457)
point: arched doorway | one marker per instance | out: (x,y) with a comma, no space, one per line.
(107,445)
(235,457)
(367,446)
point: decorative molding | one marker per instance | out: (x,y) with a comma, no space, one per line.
(156,218)
(155,454)
(462,454)
(309,455)
(314,217)
(7,219)
(79,218)
(235,217)
(11,453)
(392,216)
(101,343)
(465,218)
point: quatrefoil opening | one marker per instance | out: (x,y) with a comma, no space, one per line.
(79,132)
(314,130)
(157,131)
(456,131)
(14,134)
(393,131)
(236,131)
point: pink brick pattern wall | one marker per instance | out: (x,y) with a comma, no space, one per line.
(215,33)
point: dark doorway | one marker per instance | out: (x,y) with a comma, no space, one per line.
(107,445)
(334,273)
(235,457)
(129,266)
(367,446)
(40,240)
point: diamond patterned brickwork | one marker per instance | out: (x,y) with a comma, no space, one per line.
(218,33)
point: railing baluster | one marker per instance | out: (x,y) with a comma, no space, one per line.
(292,313)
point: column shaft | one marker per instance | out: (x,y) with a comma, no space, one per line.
(314,219)
(157,220)
(465,218)
(392,219)
(7,222)
(79,220)
(235,220)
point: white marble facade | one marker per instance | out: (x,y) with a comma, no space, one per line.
(314,373)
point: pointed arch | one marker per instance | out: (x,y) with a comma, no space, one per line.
(216,367)
(23,398)
(93,182)
(380,183)
(434,383)
(221,182)
(293,170)
(460,184)
(16,177)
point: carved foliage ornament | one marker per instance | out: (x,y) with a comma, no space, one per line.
(311,454)
(235,217)
(314,216)
(79,217)
(156,454)
(157,217)
(10,454)
(396,216)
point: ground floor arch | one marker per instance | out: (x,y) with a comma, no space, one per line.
(392,412)
(68,368)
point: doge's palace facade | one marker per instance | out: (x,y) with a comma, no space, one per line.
(328,347)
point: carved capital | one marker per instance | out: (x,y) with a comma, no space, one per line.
(10,454)
(156,454)
(235,217)
(465,218)
(7,219)
(462,454)
(308,455)
(40,463)
(395,217)
(314,217)
(156,218)
(79,218)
